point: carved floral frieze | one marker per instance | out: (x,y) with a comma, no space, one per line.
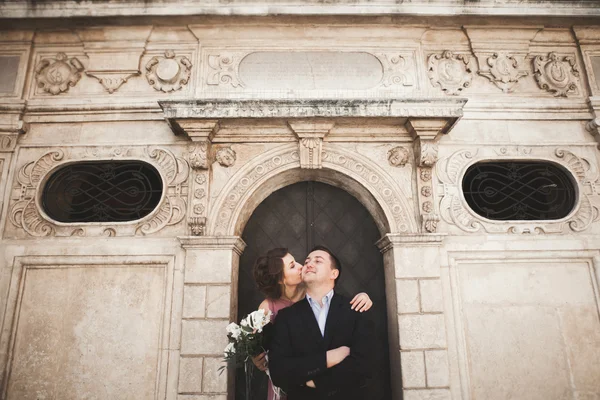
(451,72)
(57,75)
(455,211)
(556,74)
(503,69)
(26,215)
(168,73)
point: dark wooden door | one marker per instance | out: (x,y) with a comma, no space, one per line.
(299,217)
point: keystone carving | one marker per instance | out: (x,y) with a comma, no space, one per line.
(504,70)
(310,136)
(168,73)
(56,75)
(451,72)
(555,74)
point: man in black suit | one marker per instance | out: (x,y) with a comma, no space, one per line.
(321,348)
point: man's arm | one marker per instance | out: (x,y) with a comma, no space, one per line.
(358,365)
(286,369)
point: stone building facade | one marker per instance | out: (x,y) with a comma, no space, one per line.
(390,101)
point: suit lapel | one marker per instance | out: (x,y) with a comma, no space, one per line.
(332,318)
(312,326)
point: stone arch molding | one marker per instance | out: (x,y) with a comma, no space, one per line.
(455,211)
(227,213)
(27,216)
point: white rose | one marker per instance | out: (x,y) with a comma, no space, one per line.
(230,349)
(260,318)
(234,329)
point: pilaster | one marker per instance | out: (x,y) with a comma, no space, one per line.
(421,331)
(209,304)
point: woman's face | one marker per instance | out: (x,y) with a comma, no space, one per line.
(292,271)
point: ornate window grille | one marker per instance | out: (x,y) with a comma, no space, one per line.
(107,191)
(519,190)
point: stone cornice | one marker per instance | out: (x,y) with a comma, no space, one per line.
(301,108)
(407,240)
(234,243)
(68,8)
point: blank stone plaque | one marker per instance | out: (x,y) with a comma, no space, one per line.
(312,70)
(9,66)
(596,68)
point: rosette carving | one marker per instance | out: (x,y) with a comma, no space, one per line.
(451,72)
(57,75)
(556,74)
(168,73)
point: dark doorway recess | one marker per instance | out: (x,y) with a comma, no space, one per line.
(299,217)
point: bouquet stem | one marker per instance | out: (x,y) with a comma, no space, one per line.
(248,369)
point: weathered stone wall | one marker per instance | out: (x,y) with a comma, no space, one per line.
(477,309)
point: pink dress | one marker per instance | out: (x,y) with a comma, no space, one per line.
(275,306)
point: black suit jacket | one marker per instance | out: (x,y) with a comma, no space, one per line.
(298,352)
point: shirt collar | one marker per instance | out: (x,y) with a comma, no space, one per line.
(326,299)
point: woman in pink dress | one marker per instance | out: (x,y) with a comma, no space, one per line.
(279,277)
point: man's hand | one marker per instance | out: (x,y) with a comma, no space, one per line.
(311,384)
(336,356)
(260,361)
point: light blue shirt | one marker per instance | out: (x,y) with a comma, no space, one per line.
(321,312)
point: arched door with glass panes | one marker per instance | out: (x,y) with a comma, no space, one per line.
(299,217)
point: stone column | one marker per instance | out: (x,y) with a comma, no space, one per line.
(209,304)
(414,287)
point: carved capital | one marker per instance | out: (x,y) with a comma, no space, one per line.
(425,133)
(197,225)
(310,136)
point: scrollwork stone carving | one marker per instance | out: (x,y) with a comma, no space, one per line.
(396,70)
(504,70)
(224,70)
(451,72)
(168,73)
(57,75)
(556,74)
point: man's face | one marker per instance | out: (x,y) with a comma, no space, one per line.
(317,268)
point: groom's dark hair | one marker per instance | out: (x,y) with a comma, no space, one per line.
(335,262)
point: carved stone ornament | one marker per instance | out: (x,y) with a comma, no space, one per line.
(504,70)
(398,156)
(226,157)
(223,216)
(430,222)
(311,152)
(56,75)
(455,211)
(25,212)
(451,72)
(198,155)
(197,225)
(397,70)
(168,73)
(224,70)
(555,74)
(426,152)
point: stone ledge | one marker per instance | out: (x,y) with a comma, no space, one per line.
(213,242)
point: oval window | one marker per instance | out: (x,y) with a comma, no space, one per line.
(519,190)
(107,191)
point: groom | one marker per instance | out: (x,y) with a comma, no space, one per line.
(321,348)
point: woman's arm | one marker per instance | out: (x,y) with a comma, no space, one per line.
(361,302)
(260,361)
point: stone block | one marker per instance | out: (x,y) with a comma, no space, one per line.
(417,262)
(427,394)
(213,381)
(194,301)
(425,331)
(218,301)
(524,348)
(202,397)
(407,293)
(190,375)
(436,365)
(432,299)
(413,369)
(203,337)
(208,266)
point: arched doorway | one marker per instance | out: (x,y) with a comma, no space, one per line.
(305,214)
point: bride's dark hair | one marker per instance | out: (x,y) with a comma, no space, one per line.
(268,272)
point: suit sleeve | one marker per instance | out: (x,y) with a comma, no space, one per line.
(288,370)
(358,366)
